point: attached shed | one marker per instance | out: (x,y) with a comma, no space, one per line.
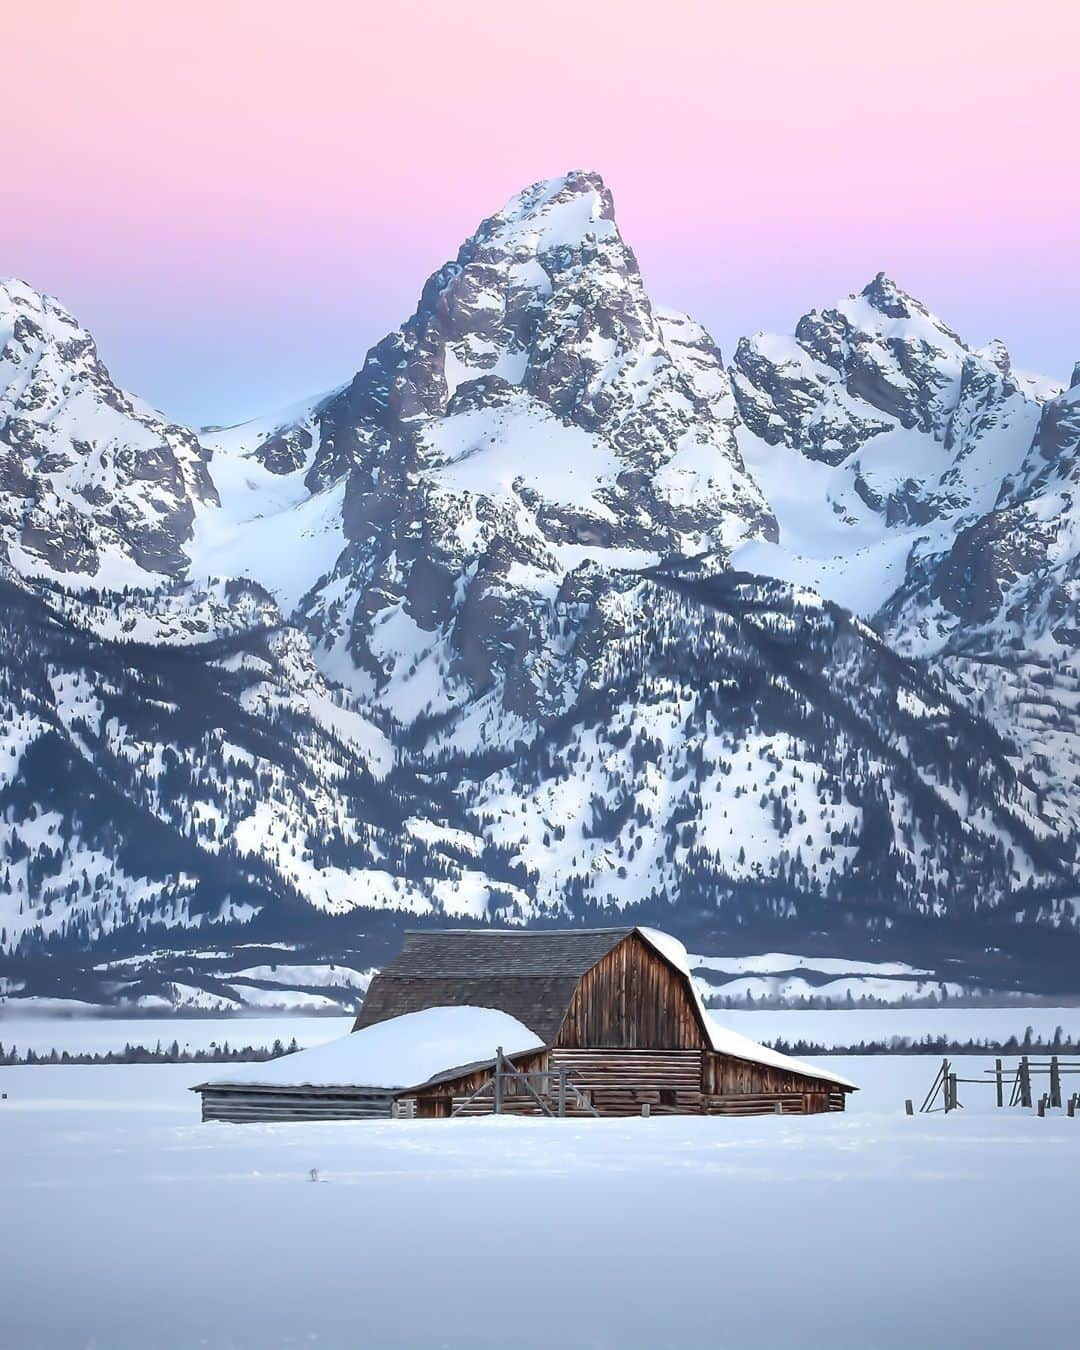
(356,1077)
(619,1018)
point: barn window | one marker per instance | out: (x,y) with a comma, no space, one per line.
(667,1096)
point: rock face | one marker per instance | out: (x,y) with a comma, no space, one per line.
(526,622)
(533,413)
(924,425)
(94,486)
(1011,576)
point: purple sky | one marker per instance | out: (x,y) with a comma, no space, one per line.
(240,198)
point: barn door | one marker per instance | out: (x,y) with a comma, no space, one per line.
(814,1103)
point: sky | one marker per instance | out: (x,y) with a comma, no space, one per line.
(239,198)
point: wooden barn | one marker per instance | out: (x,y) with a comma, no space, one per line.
(600,1022)
(621,1023)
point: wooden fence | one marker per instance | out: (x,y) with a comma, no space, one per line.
(944,1093)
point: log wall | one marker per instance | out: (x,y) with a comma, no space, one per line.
(620,1082)
(739,1087)
(724,1075)
(240,1103)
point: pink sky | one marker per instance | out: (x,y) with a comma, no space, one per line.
(240,197)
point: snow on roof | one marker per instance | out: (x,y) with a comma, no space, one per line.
(402,1052)
(723,1040)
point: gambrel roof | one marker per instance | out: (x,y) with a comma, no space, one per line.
(530,974)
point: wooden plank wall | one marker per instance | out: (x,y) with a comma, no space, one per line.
(738,1087)
(438,1099)
(237,1105)
(766,1103)
(620,1082)
(672,1082)
(631,999)
(725,1076)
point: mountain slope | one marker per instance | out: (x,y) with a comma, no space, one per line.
(876,433)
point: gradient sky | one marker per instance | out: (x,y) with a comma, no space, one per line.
(239,197)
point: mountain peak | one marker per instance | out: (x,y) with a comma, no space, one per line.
(19,299)
(884,295)
(554,212)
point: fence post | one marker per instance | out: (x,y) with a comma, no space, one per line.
(1025,1082)
(562,1092)
(908,1106)
(1042,1105)
(498,1081)
(1055,1082)
(997,1074)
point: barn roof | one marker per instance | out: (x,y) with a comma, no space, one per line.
(531,974)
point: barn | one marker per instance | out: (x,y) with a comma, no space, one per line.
(600,1022)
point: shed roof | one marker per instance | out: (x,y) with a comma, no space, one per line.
(402,1053)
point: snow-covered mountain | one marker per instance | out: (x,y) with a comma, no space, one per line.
(95,487)
(544,615)
(877,434)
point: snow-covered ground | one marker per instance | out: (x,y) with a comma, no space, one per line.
(832,1027)
(844,1027)
(92,1035)
(127,1224)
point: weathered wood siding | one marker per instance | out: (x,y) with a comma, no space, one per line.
(739,1087)
(621,1082)
(243,1102)
(437,1099)
(631,999)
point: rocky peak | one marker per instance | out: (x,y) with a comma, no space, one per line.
(535,411)
(997,354)
(889,299)
(876,364)
(92,481)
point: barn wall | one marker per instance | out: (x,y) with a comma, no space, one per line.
(631,999)
(621,1082)
(739,1087)
(438,1099)
(240,1103)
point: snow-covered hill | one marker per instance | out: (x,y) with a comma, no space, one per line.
(534,621)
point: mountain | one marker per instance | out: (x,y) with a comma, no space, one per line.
(877,434)
(535,413)
(95,487)
(544,616)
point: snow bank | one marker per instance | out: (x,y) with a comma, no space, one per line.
(402,1052)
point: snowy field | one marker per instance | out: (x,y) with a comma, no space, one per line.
(826,1026)
(101,1034)
(128,1225)
(842,1026)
